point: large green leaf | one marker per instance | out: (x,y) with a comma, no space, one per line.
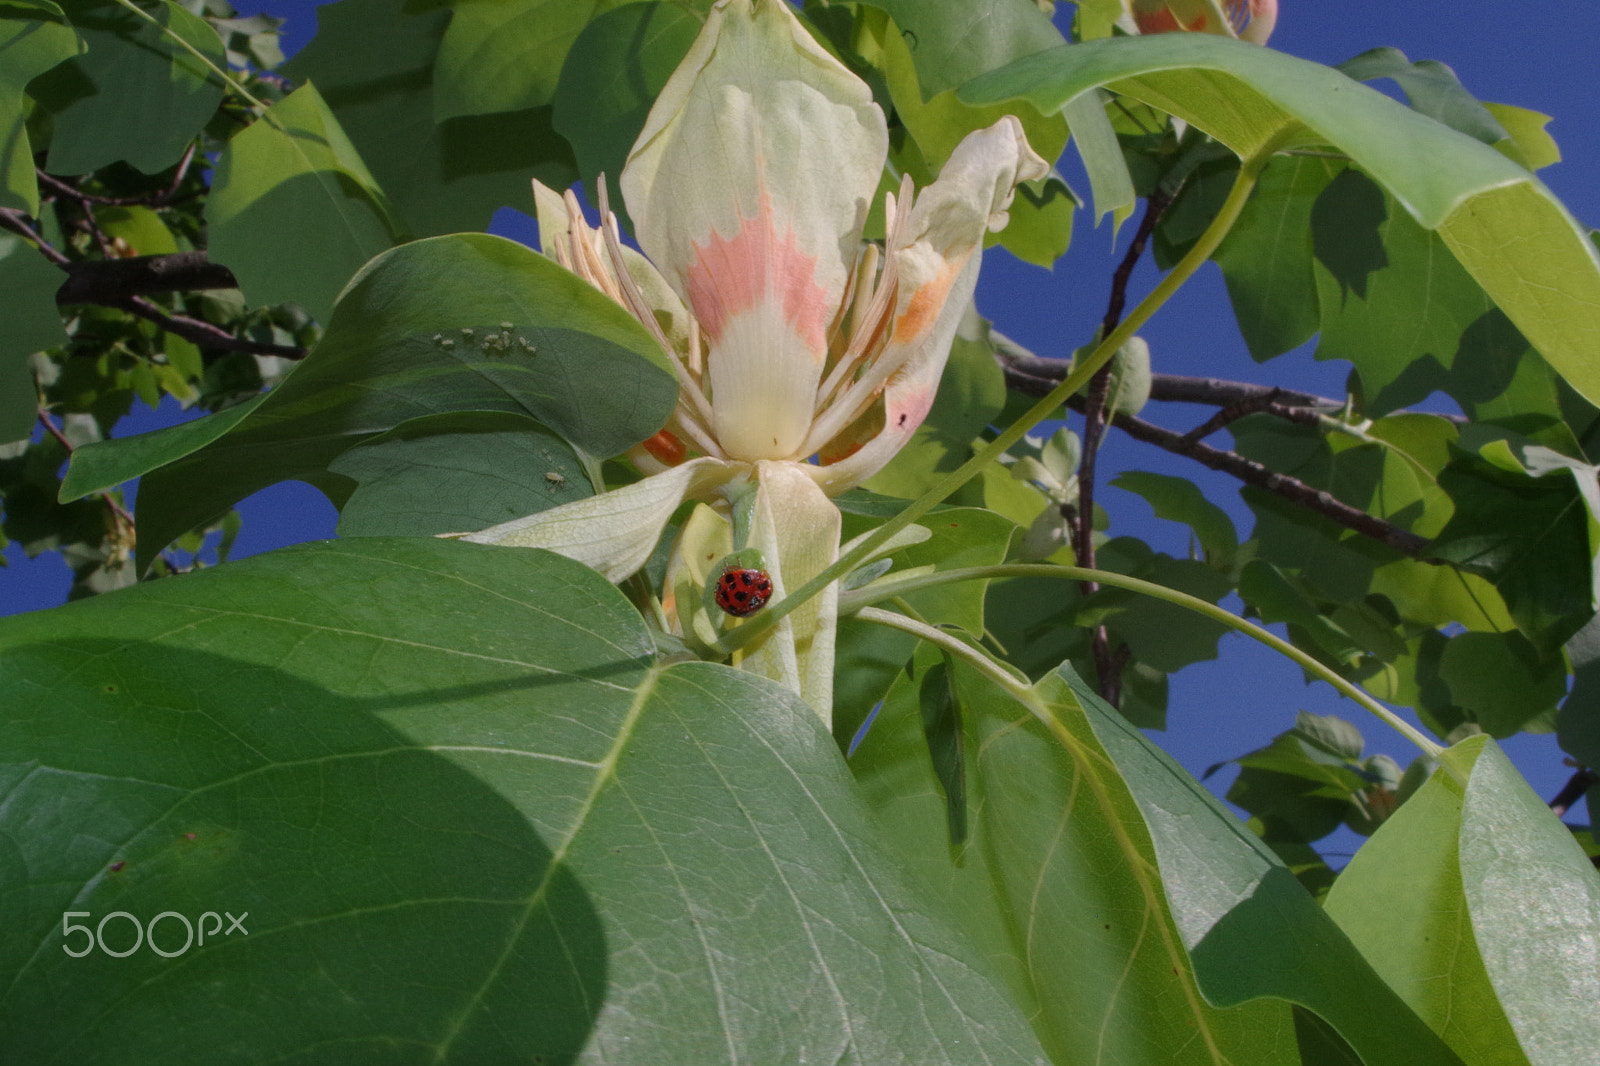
(1500,681)
(31,324)
(455,473)
(1250,928)
(466,818)
(1056,880)
(290,182)
(1087,893)
(1398,305)
(34,37)
(468,322)
(1481,911)
(1511,234)
(1529,536)
(1534,897)
(137,95)
(374,65)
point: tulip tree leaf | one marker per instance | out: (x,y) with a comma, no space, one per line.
(1529,536)
(1266,258)
(1438,901)
(440,177)
(385,751)
(1529,144)
(1500,680)
(32,324)
(288,183)
(1432,88)
(1087,932)
(1578,724)
(1512,236)
(1180,500)
(34,36)
(1544,962)
(1096,141)
(953,41)
(1404,312)
(136,95)
(1251,930)
(467,322)
(1160,634)
(1069,909)
(506,55)
(456,473)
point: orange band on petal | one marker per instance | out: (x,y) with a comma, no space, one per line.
(731,275)
(923,309)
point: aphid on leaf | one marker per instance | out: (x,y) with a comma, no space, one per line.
(554,478)
(743,592)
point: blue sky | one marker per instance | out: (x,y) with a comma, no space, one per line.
(1223,708)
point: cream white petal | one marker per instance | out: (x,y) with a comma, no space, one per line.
(748,188)
(614,532)
(796,528)
(936,254)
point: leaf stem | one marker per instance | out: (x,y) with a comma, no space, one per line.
(1243,185)
(859,599)
(1019,690)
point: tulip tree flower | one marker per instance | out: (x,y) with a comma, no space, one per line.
(805,357)
(1250,20)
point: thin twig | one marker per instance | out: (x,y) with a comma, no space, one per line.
(155,199)
(1253,473)
(1232,413)
(17,222)
(1094,428)
(1573,790)
(204,334)
(118,512)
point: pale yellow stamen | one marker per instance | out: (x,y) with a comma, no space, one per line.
(697,416)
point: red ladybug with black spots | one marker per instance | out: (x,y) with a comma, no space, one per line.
(743,592)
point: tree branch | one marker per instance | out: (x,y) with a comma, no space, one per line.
(203,334)
(1296,491)
(1024,376)
(1573,790)
(110,281)
(154,199)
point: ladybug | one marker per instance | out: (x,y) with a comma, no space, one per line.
(743,592)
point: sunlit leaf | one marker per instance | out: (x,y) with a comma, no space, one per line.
(288,183)
(1508,231)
